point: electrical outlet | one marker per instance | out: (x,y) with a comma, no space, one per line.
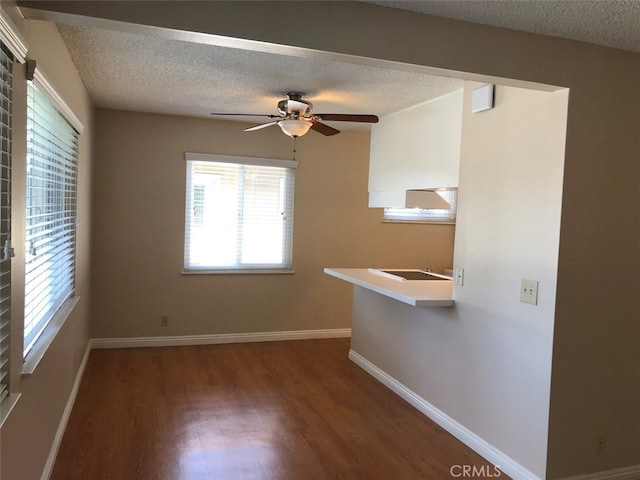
(601,443)
(164,321)
(529,291)
(458,276)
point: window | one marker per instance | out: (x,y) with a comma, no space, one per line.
(52,171)
(416,215)
(239,213)
(6,61)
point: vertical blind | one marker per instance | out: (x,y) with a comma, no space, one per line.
(6,62)
(238,216)
(52,170)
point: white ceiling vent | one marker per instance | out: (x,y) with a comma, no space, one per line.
(482,98)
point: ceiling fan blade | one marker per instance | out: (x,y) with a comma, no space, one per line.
(340,117)
(247,115)
(322,128)
(258,127)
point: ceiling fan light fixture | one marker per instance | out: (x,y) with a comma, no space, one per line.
(295,118)
(295,128)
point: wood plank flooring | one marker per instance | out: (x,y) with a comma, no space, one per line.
(297,410)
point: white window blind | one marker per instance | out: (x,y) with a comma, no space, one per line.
(239,213)
(6,91)
(52,165)
(431,215)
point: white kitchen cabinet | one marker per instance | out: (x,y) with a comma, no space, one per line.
(416,148)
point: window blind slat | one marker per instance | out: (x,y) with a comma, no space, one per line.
(6,62)
(52,157)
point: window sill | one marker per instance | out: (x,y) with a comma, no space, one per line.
(423,222)
(266,271)
(46,339)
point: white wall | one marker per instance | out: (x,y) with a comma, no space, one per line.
(487,362)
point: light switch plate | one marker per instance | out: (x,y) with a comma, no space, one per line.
(458,276)
(529,291)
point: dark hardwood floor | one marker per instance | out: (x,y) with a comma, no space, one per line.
(278,410)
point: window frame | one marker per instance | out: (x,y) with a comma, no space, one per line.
(286,266)
(15,43)
(34,349)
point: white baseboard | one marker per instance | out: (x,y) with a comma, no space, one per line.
(466,436)
(219,338)
(625,473)
(57,440)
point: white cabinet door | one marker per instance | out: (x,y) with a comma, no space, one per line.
(416,148)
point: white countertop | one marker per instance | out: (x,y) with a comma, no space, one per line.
(419,293)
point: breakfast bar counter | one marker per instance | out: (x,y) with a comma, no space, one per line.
(418,293)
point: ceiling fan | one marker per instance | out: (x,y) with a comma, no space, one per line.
(296,117)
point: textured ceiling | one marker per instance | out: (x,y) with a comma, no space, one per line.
(131,71)
(612,23)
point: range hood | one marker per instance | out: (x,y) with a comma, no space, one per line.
(415,198)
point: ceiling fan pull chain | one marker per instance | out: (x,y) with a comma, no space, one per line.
(294,148)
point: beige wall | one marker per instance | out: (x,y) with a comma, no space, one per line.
(28,432)
(595,386)
(138,234)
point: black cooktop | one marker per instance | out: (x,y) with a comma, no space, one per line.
(413,275)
